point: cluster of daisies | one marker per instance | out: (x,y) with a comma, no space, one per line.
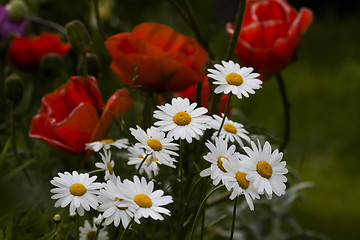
(121,201)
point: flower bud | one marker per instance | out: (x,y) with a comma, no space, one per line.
(17,10)
(50,63)
(93,65)
(78,36)
(57,218)
(14,89)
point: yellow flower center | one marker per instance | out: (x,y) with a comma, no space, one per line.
(230,128)
(154,144)
(121,208)
(264,169)
(91,235)
(110,168)
(234,79)
(108,141)
(241,179)
(220,163)
(77,189)
(143,200)
(182,118)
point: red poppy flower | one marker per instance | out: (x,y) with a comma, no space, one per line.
(153,57)
(190,93)
(270,35)
(74,114)
(25,53)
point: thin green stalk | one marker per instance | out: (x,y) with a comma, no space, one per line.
(200,207)
(239,18)
(77,227)
(48,23)
(181,166)
(98,229)
(286,105)
(225,112)
(142,162)
(98,20)
(96,171)
(233,219)
(126,229)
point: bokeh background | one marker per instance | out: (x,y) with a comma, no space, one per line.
(323,88)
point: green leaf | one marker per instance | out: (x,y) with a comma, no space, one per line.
(50,235)
(18,169)
(1,234)
(3,152)
(9,228)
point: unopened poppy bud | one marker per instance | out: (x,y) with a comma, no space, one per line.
(78,36)
(57,218)
(17,10)
(93,65)
(50,63)
(14,88)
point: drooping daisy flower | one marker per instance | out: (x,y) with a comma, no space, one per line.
(232,78)
(182,120)
(107,164)
(107,143)
(156,145)
(231,131)
(89,231)
(265,169)
(236,182)
(136,156)
(78,190)
(145,202)
(112,205)
(217,155)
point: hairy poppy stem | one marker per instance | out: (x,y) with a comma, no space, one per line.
(98,20)
(286,105)
(237,28)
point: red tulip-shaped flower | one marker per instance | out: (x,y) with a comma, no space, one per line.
(25,53)
(74,114)
(153,57)
(270,35)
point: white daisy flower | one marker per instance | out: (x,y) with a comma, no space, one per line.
(182,120)
(136,156)
(107,164)
(112,205)
(145,202)
(236,182)
(231,131)
(78,190)
(107,143)
(217,155)
(232,78)
(265,169)
(156,145)
(89,231)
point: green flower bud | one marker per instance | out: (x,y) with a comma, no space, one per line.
(78,36)
(17,10)
(93,65)
(14,89)
(50,64)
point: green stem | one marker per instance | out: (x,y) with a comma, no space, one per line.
(98,229)
(96,171)
(98,20)
(48,23)
(225,112)
(126,229)
(77,227)
(237,27)
(200,207)
(142,162)
(233,219)
(286,105)
(181,170)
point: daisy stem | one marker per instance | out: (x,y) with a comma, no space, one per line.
(233,219)
(286,105)
(142,162)
(181,170)
(96,171)
(126,229)
(98,229)
(225,112)
(98,20)
(200,208)
(77,227)
(237,27)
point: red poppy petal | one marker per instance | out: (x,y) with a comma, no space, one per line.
(76,129)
